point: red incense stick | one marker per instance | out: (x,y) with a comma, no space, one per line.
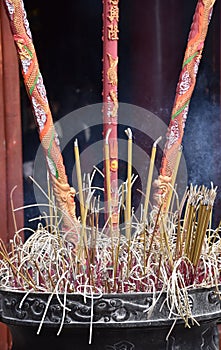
(110,99)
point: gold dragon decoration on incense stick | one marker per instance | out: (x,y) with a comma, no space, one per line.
(184,91)
(37,94)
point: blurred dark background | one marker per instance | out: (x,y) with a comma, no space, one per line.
(153,36)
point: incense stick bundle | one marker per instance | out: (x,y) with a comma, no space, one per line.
(197,217)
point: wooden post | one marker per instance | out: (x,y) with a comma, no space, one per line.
(12,116)
(10,142)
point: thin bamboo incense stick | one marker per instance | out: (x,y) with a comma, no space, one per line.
(150,176)
(50,201)
(178,239)
(12,208)
(79,178)
(128,198)
(108,175)
(122,218)
(129,187)
(16,271)
(189,229)
(201,237)
(175,171)
(108,190)
(156,225)
(166,241)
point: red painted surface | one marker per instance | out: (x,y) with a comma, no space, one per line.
(12,117)
(110,99)
(10,142)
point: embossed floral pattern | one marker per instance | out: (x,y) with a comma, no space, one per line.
(196,65)
(39,113)
(11,8)
(185,83)
(185,114)
(25,65)
(26,24)
(174,134)
(51,166)
(122,345)
(41,88)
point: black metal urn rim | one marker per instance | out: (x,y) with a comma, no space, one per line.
(107,310)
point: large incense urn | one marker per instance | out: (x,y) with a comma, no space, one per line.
(109,322)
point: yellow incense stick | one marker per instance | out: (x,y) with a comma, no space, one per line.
(50,203)
(189,229)
(108,188)
(198,231)
(12,208)
(165,241)
(83,237)
(199,246)
(79,178)
(215,236)
(173,179)
(150,176)
(107,173)
(129,180)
